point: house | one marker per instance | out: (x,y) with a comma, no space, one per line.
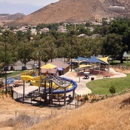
(62,29)
(61,66)
(45,30)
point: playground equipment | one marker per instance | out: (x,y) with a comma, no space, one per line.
(53,87)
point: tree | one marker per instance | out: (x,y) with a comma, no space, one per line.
(49,46)
(113,45)
(121,27)
(9,44)
(25,52)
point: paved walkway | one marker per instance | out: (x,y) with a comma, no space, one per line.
(82,88)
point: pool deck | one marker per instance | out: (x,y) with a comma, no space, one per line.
(81,82)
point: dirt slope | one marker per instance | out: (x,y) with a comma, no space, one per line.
(74,11)
(109,114)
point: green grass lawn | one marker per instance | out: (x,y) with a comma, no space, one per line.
(102,86)
(11,74)
(117,62)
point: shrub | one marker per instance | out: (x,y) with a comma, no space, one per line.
(24,121)
(86,97)
(112,90)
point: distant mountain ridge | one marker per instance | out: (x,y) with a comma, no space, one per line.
(77,11)
(9,8)
(8,18)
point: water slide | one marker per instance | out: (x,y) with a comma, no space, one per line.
(34,80)
(26,77)
(58,84)
(61,83)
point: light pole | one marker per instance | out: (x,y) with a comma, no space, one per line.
(5,59)
(78,71)
(71,57)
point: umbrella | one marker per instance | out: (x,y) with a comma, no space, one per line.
(48,66)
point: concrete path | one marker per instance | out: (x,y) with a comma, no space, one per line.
(82,88)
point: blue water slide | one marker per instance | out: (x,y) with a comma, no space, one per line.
(57,91)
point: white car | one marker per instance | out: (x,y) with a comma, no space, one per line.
(35,66)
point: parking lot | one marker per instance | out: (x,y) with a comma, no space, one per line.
(18,65)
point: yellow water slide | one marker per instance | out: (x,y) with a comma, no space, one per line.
(26,77)
(36,81)
(54,85)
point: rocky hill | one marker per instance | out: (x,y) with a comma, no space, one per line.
(77,11)
(10,17)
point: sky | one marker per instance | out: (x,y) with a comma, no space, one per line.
(23,6)
(35,2)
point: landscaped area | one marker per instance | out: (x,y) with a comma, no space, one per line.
(102,86)
(117,62)
(11,74)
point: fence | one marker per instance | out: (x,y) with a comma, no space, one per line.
(43,112)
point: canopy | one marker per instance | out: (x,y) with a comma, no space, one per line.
(81,58)
(60,69)
(93,59)
(48,66)
(104,59)
(10,81)
(77,61)
(84,66)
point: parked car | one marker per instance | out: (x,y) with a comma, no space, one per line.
(24,68)
(6,68)
(35,66)
(12,68)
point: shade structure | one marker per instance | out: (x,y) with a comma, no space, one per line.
(10,81)
(84,66)
(93,59)
(48,66)
(81,58)
(104,59)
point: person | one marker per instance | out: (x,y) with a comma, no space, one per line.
(47,73)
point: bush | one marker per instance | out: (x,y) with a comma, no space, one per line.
(24,121)
(112,90)
(86,97)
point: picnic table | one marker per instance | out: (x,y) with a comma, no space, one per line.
(86,75)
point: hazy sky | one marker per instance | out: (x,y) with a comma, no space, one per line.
(35,2)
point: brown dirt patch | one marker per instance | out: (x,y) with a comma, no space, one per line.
(122,71)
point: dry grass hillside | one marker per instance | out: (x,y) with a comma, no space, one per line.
(74,11)
(109,114)
(8,18)
(10,109)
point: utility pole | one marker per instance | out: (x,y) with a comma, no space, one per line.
(5,58)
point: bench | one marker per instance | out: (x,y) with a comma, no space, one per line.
(106,76)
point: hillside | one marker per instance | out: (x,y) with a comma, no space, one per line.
(10,17)
(76,11)
(109,114)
